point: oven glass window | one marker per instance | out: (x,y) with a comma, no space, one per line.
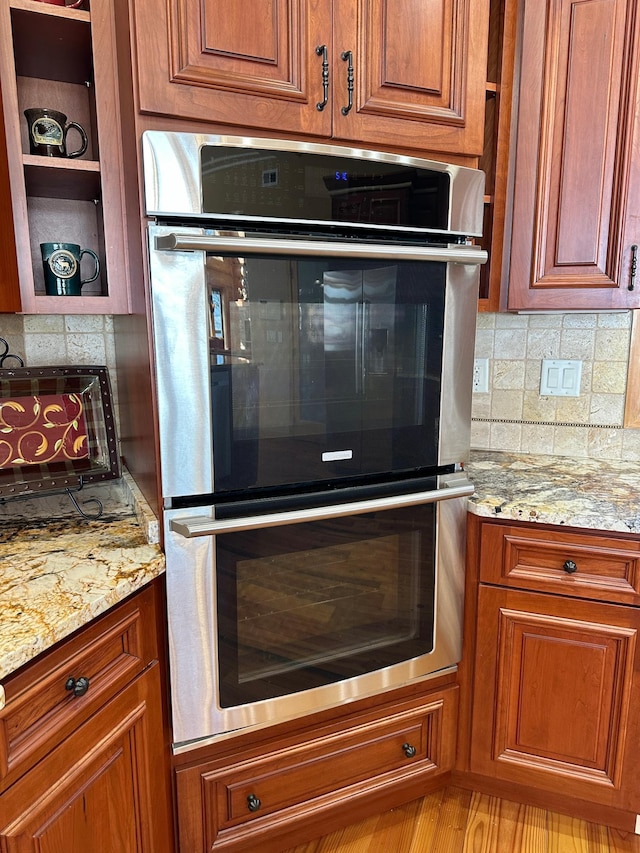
(303,605)
(323,369)
(310,186)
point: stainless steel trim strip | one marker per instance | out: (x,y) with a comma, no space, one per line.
(207,526)
(461,254)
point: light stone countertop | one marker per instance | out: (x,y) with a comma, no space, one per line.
(59,571)
(577,492)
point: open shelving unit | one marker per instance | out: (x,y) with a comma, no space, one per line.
(64,59)
(495,157)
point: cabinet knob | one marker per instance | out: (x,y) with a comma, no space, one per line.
(569,566)
(253,803)
(78,686)
(408,750)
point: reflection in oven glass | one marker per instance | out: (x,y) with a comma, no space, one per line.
(317,603)
(291,617)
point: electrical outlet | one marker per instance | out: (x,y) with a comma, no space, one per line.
(480,375)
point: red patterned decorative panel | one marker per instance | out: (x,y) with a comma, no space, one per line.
(39,429)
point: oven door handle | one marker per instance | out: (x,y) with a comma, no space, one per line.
(207,526)
(453,253)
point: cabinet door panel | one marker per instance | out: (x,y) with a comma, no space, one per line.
(93,794)
(400,76)
(419,72)
(574,155)
(544,657)
(252,65)
(221,47)
(578,220)
(554,687)
(100,811)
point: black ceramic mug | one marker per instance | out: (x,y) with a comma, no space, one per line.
(48,133)
(61,263)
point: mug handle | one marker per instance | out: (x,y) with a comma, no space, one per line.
(75,5)
(97,269)
(80,130)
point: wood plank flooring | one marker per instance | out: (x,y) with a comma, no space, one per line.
(458,821)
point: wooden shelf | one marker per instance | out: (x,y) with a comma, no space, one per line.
(50,177)
(50,11)
(54,43)
(69,304)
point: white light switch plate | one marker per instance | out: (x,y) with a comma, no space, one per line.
(480,375)
(560,378)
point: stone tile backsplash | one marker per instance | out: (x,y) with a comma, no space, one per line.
(511,416)
(514,416)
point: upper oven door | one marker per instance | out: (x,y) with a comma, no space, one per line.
(286,362)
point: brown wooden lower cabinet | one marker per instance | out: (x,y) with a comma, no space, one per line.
(552,681)
(96,791)
(89,772)
(295,789)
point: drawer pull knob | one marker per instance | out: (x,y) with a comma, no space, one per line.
(569,566)
(253,803)
(408,750)
(79,686)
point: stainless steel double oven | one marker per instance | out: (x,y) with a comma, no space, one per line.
(314,318)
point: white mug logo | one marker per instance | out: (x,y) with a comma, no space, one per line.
(47,131)
(63,264)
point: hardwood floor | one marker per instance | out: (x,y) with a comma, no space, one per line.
(458,821)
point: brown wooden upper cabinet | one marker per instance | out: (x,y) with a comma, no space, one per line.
(576,188)
(387,73)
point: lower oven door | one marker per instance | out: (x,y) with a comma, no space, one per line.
(307,609)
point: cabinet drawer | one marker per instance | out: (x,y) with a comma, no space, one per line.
(48,699)
(285,786)
(316,769)
(586,565)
